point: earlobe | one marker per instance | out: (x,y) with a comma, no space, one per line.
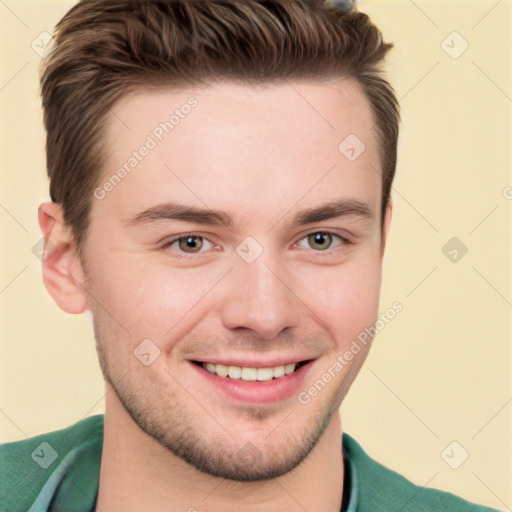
(63,274)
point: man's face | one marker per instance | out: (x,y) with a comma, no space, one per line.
(263,290)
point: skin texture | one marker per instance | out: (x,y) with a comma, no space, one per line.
(261,155)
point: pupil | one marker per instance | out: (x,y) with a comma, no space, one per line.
(190,242)
(321,239)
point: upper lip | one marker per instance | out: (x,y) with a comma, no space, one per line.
(253,362)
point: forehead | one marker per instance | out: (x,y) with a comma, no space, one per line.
(326,107)
(229,144)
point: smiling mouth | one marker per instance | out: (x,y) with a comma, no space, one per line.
(250,373)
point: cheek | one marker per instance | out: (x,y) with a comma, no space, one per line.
(160,302)
(346,298)
(150,300)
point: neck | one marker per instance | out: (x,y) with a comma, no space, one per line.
(137,473)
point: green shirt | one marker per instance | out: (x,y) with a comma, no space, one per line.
(59,471)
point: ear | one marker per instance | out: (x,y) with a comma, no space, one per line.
(385,228)
(63,274)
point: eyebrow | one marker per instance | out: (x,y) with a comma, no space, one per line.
(209,217)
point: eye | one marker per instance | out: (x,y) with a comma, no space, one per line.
(321,241)
(188,244)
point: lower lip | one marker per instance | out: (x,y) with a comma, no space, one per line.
(254,391)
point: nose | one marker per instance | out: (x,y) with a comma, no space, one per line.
(259,296)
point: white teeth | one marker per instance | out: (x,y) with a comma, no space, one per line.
(265,374)
(248,373)
(278,372)
(289,368)
(220,369)
(234,372)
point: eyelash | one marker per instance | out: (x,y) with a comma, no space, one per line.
(327,252)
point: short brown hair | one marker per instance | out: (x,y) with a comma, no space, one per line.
(106,49)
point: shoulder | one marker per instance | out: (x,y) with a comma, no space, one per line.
(380,488)
(47,461)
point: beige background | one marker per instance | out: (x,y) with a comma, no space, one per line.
(441,370)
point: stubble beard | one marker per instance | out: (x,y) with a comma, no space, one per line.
(179,430)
